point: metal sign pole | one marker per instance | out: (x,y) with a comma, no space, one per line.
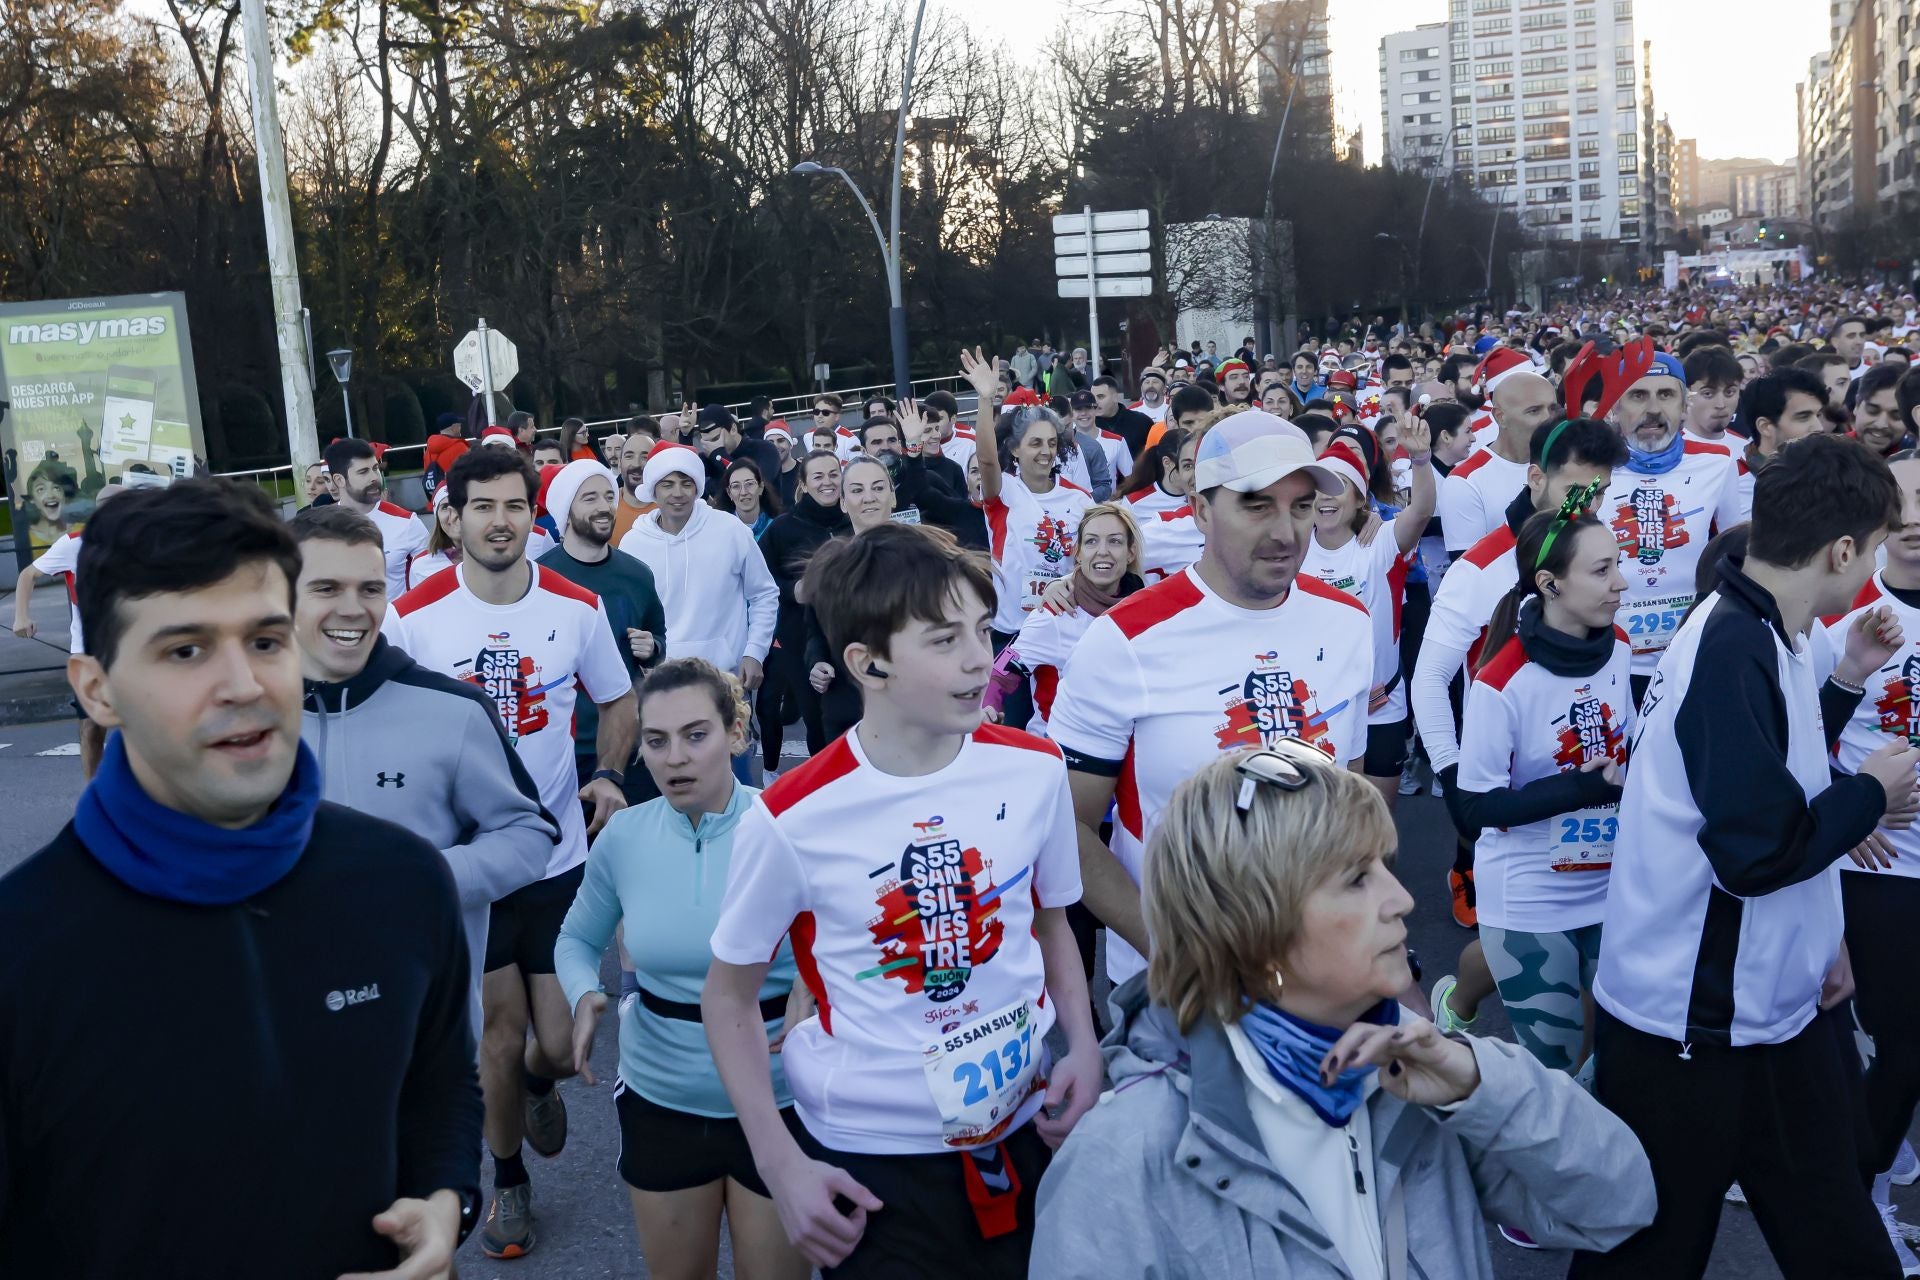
(486,373)
(1093,299)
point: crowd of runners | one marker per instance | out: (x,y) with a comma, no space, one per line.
(1070,943)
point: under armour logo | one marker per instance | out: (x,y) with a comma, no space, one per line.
(397,779)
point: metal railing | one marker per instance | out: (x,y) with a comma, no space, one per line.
(271,477)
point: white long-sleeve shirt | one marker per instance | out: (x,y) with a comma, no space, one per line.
(720,599)
(1455,627)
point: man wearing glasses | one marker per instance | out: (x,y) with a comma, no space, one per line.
(827,411)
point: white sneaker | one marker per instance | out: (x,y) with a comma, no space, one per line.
(1906,1167)
(1410,777)
(1443,1015)
(1909,1264)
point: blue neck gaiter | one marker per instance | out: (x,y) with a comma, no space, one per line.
(167,854)
(1293,1049)
(1657,464)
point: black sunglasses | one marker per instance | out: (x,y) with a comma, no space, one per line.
(824,413)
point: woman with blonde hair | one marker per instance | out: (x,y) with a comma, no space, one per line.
(1106,570)
(1273,1105)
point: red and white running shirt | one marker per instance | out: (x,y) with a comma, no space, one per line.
(1169,542)
(1119,456)
(1032,539)
(1045,642)
(402,537)
(59,561)
(1888,711)
(526,656)
(1456,628)
(1376,576)
(910,902)
(1662,523)
(1524,723)
(1474,497)
(1173,675)
(1158,412)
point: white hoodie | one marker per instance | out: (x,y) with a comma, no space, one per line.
(720,599)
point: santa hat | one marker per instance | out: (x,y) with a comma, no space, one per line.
(1496,367)
(1020,398)
(559,486)
(778,427)
(379,448)
(666,459)
(499,435)
(1341,458)
(547,473)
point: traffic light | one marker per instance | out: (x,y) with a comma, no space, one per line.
(1763,231)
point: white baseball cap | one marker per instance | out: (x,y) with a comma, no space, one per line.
(1251,450)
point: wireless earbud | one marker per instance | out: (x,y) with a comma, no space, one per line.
(1553,590)
(874,670)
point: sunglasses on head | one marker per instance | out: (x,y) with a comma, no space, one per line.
(1288,765)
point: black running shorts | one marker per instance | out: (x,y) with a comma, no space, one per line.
(524,925)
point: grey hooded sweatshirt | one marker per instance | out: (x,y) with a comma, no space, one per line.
(427,752)
(1166,1177)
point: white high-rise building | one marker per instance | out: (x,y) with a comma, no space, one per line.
(1416,93)
(1543,102)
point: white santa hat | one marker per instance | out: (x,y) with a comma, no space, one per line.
(667,458)
(499,435)
(782,432)
(567,483)
(1499,364)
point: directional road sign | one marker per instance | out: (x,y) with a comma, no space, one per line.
(1106,264)
(1105,242)
(1110,287)
(1067,224)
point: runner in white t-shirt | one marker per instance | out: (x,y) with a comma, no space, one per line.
(62,560)
(921,866)
(1475,493)
(1239,649)
(528,637)
(1375,574)
(361,486)
(1031,515)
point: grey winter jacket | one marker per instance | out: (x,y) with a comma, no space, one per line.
(427,752)
(1166,1177)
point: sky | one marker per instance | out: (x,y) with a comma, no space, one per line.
(1707,57)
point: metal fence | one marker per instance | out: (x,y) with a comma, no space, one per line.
(403,460)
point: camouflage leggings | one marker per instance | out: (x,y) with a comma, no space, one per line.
(1541,977)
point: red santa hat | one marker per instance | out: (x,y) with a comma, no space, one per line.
(1499,364)
(547,473)
(1021,397)
(1341,458)
(499,435)
(667,458)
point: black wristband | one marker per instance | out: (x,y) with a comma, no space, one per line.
(614,776)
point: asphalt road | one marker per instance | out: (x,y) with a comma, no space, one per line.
(585,1226)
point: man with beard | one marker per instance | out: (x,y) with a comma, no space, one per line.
(1457,372)
(529,638)
(1475,492)
(1876,409)
(1664,504)
(1153,396)
(633,466)
(360,487)
(582,496)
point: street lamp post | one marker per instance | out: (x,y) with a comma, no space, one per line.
(342,361)
(1262,298)
(1420,237)
(889,246)
(1406,316)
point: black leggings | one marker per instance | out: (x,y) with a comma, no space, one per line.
(1880,910)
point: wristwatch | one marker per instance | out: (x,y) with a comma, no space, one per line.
(614,776)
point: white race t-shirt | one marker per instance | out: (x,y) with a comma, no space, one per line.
(1045,642)
(526,656)
(1524,723)
(1153,501)
(1173,675)
(1169,542)
(1474,497)
(1663,522)
(1890,709)
(59,561)
(1376,576)
(402,537)
(910,903)
(1119,456)
(1032,539)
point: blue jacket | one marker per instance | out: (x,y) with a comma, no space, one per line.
(652,869)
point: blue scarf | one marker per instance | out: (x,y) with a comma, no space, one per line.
(1657,464)
(1293,1049)
(167,854)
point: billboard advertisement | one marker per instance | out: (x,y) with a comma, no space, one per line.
(93,390)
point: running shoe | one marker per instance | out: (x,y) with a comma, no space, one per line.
(1906,1167)
(1460,889)
(546,1119)
(508,1232)
(1443,1015)
(1516,1237)
(1909,1265)
(1410,777)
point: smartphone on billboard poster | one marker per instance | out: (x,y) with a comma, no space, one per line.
(126,423)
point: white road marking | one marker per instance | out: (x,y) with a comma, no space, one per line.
(64,749)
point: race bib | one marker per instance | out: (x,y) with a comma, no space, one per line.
(980,1072)
(1583,841)
(1036,587)
(1649,624)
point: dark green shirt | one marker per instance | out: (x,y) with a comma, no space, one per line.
(625,586)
